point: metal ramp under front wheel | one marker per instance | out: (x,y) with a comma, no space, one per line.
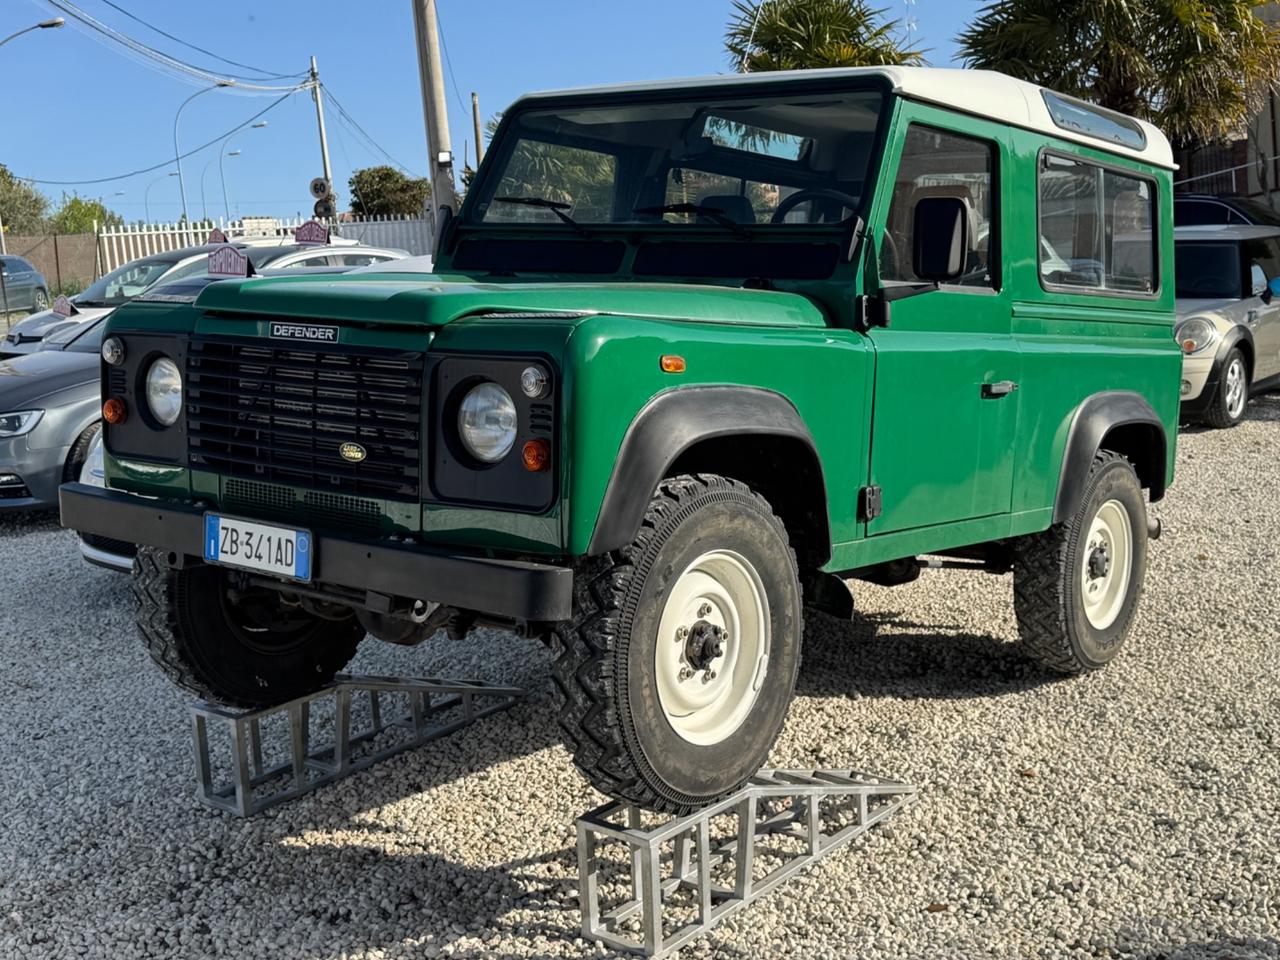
(678,877)
(348,725)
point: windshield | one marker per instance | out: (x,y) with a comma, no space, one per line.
(1208,271)
(124,283)
(762,162)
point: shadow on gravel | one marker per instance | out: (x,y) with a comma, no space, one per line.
(19,523)
(886,655)
(1234,948)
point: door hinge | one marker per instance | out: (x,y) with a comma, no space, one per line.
(870,504)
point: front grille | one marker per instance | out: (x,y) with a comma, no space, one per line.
(315,509)
(281,415)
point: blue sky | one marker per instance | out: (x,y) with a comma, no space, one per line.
(72,108)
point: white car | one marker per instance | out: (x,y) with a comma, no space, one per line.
(1228,318)
(136,277)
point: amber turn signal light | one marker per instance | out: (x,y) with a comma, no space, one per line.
(113,411)
(536,455)
(672,364)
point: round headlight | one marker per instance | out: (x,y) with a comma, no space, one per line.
(487,422)
(1195,334)
(164,391)
(113,351)
(533,381)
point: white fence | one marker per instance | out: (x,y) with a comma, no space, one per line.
(117,245)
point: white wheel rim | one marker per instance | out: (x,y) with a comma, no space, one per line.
(1235,388)
(1107,564)
(706,698)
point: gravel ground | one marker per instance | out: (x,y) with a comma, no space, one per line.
(1132,813)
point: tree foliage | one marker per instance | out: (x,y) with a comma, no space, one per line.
(385,191)
(1196,68)
(22,207)
(77,215)
(807,34)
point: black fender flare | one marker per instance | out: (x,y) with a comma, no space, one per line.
(667,426)
(1097,416)
(1230,340)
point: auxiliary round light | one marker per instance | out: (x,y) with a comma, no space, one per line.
(164,391)
(534,382)
(487,422)
(536,455)
(113,351)
(114,411)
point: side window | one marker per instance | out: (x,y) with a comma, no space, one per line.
(939,164)
(1196,213)
(360,259)
(1096,228)
(317,261)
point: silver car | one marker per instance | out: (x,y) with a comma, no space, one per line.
(1228,318)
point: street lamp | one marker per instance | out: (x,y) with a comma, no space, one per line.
(222,152)
(177,154)
(42,25)
(146,194)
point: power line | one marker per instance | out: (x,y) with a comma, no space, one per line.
(457,91)
(164,163)
(346,117)
(152,57)
(265,74)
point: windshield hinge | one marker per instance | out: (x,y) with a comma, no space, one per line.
(870,310)
(870,503)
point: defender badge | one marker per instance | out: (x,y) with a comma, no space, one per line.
(352,452)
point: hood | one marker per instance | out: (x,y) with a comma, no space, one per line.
(423,301)
(37,326)
(26,380)
(1189,307)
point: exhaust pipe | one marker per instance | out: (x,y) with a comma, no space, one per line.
(1154,528)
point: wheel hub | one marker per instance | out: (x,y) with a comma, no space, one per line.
(704,645)
(1099,562)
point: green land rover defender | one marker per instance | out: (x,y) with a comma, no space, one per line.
(694,353)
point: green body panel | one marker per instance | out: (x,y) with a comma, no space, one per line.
(900,407)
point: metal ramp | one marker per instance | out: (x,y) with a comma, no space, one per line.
(779,823)
(351,713)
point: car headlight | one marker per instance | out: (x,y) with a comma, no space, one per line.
(1196,334)
(487,422)
(164,391)
(19,422)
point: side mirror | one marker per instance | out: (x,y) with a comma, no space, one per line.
(941,231)
(1258,283)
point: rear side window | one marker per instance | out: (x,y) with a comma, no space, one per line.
(1096,228)
(1203,213)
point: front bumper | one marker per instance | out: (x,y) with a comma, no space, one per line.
(514,589)
(39,470)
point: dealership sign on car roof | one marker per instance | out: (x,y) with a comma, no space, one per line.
(228,262)
(311,233)
(63,307)
(217,236)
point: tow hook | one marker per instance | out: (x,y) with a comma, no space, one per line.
(1154,528)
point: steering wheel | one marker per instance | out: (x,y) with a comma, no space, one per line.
(812,193)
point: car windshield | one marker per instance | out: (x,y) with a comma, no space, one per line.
(124,283)
(1208,270)
(758,161)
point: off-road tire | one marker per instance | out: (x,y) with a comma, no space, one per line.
(1217,414)
(610,709)
(79,453)
(1047,587)
(180,615)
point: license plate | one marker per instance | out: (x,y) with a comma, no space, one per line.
(257,546)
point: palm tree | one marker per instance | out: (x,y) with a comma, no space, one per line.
(1196,68)
(805,34)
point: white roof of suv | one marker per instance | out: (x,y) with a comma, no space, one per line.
(983,93)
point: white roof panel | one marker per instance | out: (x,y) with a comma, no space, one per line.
(981,92)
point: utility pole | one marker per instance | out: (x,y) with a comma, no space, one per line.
(435,113)
(324,139)
(475,119)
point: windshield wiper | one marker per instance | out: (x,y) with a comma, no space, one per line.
(92,303)
(555,206)
(714,214)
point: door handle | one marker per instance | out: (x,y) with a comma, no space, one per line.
(1001,388)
